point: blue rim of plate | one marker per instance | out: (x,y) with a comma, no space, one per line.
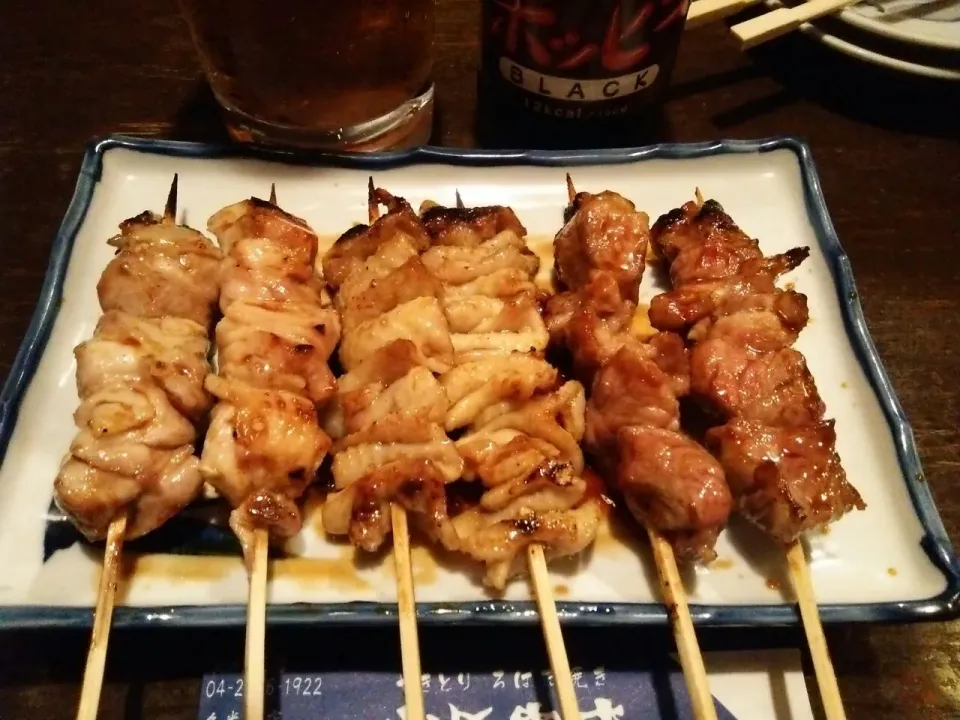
(935,542)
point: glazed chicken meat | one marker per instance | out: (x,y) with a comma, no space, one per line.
(778,451)
(670,484)
(141,381)
(265,444)
(443,340)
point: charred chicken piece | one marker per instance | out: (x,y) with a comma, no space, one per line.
(603,232)
(778,451)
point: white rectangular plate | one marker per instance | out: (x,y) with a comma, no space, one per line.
(891,562)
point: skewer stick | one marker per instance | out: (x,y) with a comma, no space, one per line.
(170,208)
(460,205)
(406,599)
(407,611)
(675,598)
(103,615)
(273,193)
(254,685)
(784,20)
(691,659)
(819,653)
(557,651)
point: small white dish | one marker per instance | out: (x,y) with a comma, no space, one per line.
(934,23)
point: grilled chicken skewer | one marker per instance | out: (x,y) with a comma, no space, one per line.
(671,485)
(265,444)
(519,423)
(131,466)
(778,451)
(391,453)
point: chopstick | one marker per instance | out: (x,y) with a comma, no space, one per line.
(406,600)
(783,20)
(552,634)
(255,651)
(819,653)
(707,11)
(691,659)
(106,595)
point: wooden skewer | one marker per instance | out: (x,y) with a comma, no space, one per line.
(460,204)
(103,616)
(170,208)
(784,20)
(819,653)
(703,12)
(557,651)
(691,659)
(273,193)
(255,661)
(407,611)
(406,599)
(675,598)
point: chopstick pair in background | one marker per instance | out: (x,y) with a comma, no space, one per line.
(768,26)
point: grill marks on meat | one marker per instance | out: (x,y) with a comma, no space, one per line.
(670,483)
(388,415)
(140,380)
(777,449)
(265,444)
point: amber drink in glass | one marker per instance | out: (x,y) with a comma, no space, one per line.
(349,75)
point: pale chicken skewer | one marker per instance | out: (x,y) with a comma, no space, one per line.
(391,451)
(265,444)
(519,423)
(673,487)
(131,466)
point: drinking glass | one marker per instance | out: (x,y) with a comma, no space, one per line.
(350,75)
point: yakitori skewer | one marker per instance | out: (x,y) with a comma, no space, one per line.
(674,488)
(506,403)
(131,465)
(265,444)
(770,434)
(406,596)
(391,453)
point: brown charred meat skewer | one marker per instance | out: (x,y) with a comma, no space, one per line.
(778,451)
(771,436)
(669,483)
(673,487)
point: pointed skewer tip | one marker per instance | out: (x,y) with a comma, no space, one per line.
(571,190)
(170,209)
(460,204)
(373,207)
(273,193)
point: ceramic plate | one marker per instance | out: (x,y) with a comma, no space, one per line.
(935,23)
(891,562)
(864,43)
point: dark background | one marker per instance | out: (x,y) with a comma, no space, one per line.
(887,150)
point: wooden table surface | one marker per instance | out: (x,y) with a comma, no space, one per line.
(888,155)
